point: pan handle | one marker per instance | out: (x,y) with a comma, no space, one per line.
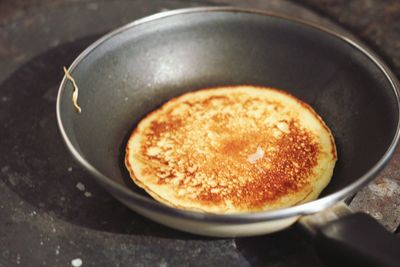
(352,239)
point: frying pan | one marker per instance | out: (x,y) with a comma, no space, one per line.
(134,69)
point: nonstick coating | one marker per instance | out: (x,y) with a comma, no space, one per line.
(137,69)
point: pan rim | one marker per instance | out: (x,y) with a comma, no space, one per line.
(241,218)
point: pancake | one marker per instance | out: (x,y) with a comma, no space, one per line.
(232,150)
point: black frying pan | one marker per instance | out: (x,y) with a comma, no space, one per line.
(133,70)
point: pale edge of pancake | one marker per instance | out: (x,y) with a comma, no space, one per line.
(309,120)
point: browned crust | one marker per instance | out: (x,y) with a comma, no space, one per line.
(150,192)
(307,106)
(175,99)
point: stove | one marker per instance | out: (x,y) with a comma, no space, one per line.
(52,213)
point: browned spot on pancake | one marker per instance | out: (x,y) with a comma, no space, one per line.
(170,124)
(199,148)
(213,99)
(288,171)
(218,177)
(233,147)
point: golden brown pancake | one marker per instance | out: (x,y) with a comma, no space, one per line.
(232,149)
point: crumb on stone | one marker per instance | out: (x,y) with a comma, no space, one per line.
(76,262)
(80,186)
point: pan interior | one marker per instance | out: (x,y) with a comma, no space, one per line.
(141,67)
